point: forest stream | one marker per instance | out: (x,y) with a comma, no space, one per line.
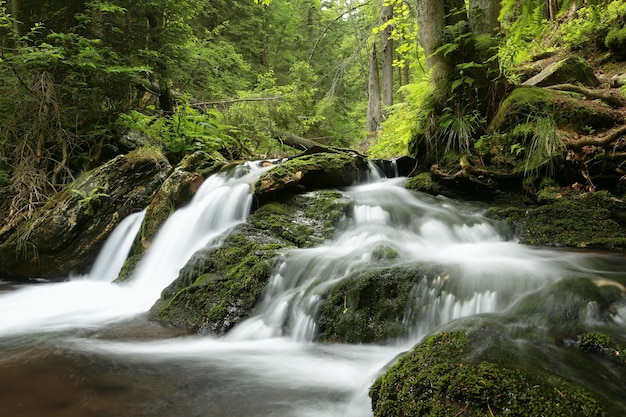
(85,347)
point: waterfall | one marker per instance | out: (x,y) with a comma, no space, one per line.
(222,202)
(115,250)
(485,271)
(267,365)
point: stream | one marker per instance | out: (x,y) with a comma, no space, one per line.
(84,347)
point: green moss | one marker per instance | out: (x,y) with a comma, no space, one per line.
(442,376)
(570,219)
(616,41)
(369,306)
(309,172)
(220,287)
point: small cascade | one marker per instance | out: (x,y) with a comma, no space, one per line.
(485,271)
(222,202)
(115,250)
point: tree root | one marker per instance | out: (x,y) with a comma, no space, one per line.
(613,100)
(607,139)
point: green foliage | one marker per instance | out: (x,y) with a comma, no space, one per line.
(616,41)
(591,25)
(404,120)
(523,23)
(185,131)
(89,200)
(261,115)
(459,129)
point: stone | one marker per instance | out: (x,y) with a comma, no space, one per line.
(65,235)
(571,70)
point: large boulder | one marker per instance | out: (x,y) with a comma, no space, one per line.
(314,171)
(571,70)
(65,235)
(556,353)
(566,217)
(219,287)
(370,306)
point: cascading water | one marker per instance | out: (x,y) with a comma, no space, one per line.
(222,202)
(268,365)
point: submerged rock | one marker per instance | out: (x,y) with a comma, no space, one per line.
(220,287)
(65,235)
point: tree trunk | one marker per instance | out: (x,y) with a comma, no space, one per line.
(483,16)
(387,54)
(15,13)
(431,22)
(373,89)
(553,9)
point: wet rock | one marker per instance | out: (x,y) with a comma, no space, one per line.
(66,234)
(568,218)
(571,70)
(310,172)
(482,372)
(370,306)
(219,287)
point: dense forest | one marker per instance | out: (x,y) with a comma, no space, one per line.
(87,80)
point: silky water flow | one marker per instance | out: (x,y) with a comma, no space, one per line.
(83,347)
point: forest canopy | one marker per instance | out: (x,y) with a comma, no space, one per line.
(84,81)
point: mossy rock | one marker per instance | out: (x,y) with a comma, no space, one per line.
(369,306)
(479,373)
(322,170)
(526,104)
(616,42)
(586,220)
(219,287)
(572,70)
(66,234)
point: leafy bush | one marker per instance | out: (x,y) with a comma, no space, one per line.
(185,131)
(616,42)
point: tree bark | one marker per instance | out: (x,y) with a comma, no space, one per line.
(373,89)
(431,22)
(387,54)
(483,16)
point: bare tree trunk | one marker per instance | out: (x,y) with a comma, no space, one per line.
(374,116)
(431,22)
(483,16)
(387,54)
(553,9)
(15,13)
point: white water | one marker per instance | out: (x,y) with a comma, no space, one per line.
(222,202)
(476,269)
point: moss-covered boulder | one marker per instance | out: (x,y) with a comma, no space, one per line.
(526,104)
(66,234)
(557,352)
(568,218)
(310,172)
(370,306)
(571,70)
(220,287)
(479,373)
